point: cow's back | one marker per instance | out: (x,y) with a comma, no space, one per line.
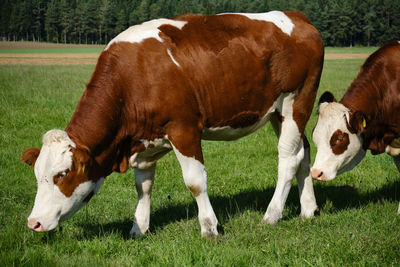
(376,92)
(219,70)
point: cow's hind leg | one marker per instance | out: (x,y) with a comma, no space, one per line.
(144,180)
(397,162)
(190,157)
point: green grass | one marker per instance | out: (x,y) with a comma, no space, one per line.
(351,50)
(356,224)
(50,50)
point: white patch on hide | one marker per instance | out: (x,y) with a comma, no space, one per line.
(155,149)
(172,57)
(283,22)
(146,30)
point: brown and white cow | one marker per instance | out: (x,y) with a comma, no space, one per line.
(367,117)
(168,83)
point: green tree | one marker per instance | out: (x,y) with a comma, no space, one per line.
(90,21)
(66,17)
(25,19)
(38,19)
(51,21)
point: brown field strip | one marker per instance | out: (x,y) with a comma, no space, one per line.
(346,56)
(49,59)
(91,58)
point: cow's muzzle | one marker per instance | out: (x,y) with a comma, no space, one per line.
(35,225)
(317,175)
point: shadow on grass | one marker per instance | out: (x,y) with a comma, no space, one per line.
(341,197)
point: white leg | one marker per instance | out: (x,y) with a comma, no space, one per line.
(195,178)
(144,180)
(291,153)
(305,185)
(397,162)
(287,167)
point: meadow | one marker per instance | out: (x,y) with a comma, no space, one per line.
(356,224)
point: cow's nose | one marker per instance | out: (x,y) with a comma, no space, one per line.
(35,225)
(317,175)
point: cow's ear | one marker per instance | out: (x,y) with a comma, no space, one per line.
(358,122)
(30,156)
(326,97)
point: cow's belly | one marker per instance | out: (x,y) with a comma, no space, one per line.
(155,149)
(227,133)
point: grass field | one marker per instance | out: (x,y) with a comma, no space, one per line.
(356,223)
(350,50)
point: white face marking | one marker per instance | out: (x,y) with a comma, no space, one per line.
(51,205)
(146,30)
(332,117)
(145,159)
(99,183)
(278,18)
(172,57)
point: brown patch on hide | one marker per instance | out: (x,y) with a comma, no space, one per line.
(196,190)
(339,142)
(78,174)
(242,120)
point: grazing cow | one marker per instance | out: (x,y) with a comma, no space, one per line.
(165,85)
(367,117)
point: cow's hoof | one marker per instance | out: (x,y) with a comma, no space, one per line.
(271,217)
(209,234)
(209,228)
(307,214)
(136,232)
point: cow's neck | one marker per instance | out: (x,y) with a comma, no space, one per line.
(366,95)
(361,97)
(96,123)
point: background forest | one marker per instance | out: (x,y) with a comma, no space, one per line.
(341,22)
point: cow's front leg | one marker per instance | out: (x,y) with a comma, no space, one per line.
(190,157)
(144,180)
(291,153)
(397,162)
(305,184)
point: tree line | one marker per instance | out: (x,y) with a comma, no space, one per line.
(341,22)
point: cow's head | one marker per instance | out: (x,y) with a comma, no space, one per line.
(62,172)
(337,137)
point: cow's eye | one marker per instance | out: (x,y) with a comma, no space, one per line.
(61,174)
